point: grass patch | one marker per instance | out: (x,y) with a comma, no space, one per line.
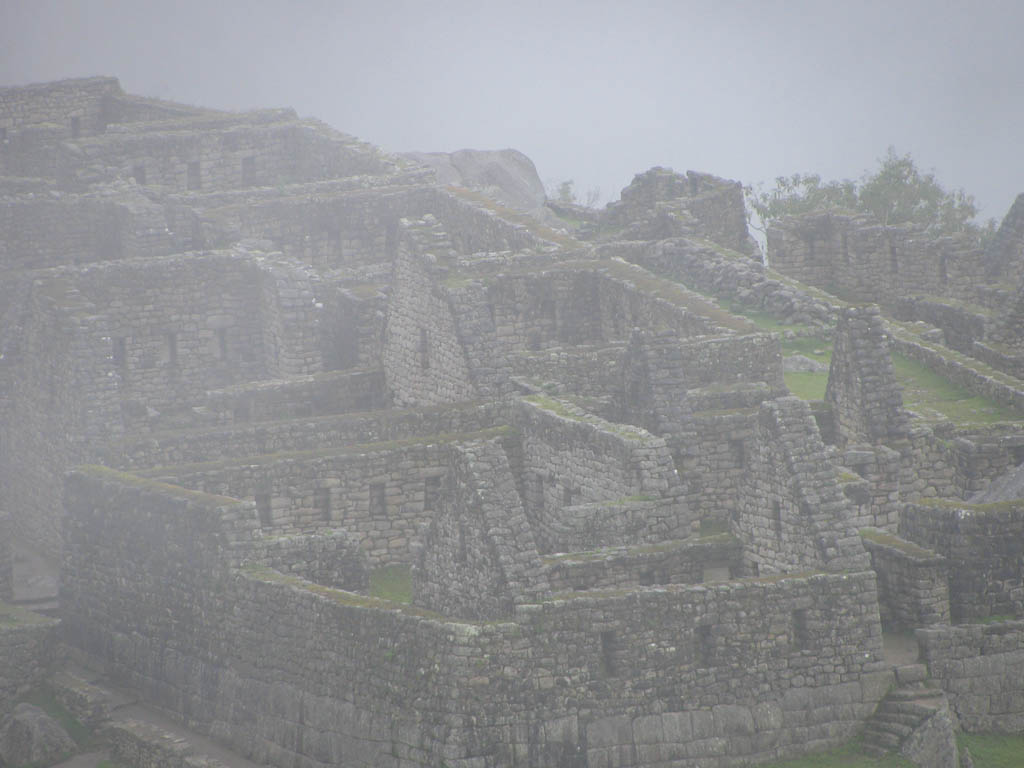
(846,756)
(46,701)
(935,398)
(713,527)
(392,582)
(993,750)
(813,347)
(806,385)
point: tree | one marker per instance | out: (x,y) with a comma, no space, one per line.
(896,193)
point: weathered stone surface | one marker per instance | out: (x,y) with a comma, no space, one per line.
(30,736)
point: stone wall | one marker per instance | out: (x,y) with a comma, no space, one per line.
(856,258)
(981,669)
(691,561)
(728,276)
(38,232)
(380,493)
(424,360)
(298,397)
(587,482)
(983,544)
(292,673)
(218,152)
(793,515)
(716,463)
(6,558)
(913,583)
(478,558)
(331,558)
(1005,251)
(59,102)
(27,649)
(660,203)
(867,402)
(241,439)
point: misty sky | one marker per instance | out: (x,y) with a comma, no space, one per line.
(593,91)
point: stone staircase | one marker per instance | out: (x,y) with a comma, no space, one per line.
(903,711)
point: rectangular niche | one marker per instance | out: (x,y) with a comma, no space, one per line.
(378,500)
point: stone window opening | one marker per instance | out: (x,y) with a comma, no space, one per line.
(705,645)
(222,343)
(139,174)
(334,248)
(738,453)
(118,351)
(424,349)
(647,579)
(608,644)
(801,632)
(248,171)
(3,135)
(568,494)
(894,266)
(76,127)
(322,503)
(1018,455)
(431,493)
(171,345)
(378,501)
(461,555)
(263,509)
(194,179)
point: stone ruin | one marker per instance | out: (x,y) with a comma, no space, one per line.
(247,361)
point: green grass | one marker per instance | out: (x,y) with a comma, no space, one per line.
(46,701)
(392,582)
(847,756)
(713,527)
(805,385)
(994,750)
(935,398)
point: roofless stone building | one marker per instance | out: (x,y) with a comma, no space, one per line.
(246,361)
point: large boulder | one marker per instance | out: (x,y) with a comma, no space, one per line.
(506,174)
(30,736)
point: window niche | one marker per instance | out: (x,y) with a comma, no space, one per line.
(378,501)
(322,503)
(193,174)
(119,351)
(424,349)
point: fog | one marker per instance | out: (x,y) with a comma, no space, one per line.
(592,91)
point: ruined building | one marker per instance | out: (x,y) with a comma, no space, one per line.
(247,362)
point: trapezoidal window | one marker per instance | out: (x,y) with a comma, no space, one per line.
(76,127)
(608,646)
(248,171)
(738,453)
(431,493)
(378,500)
(704,645)
(322,503)
(171,349)
(193,176)
(263,509)
(801,633)
(222,343)
(424,349)
(139,174)
(118,351)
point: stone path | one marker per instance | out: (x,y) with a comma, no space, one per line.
(125,706)
(900,649)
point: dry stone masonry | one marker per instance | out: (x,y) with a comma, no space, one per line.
(249,363)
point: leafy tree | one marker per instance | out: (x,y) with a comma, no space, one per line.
(896,193)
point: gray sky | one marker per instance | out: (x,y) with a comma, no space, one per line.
(591,90)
